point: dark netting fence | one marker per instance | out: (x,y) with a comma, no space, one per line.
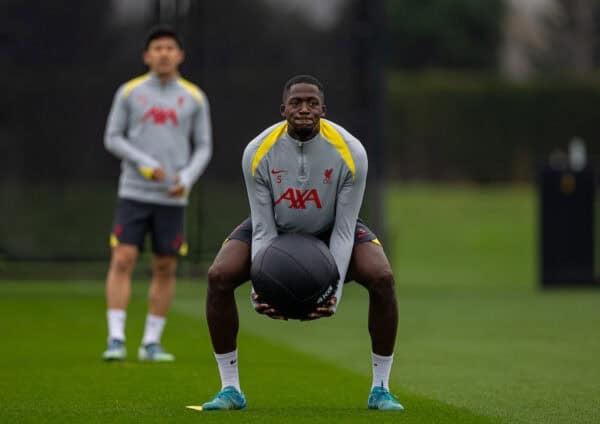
(63,60)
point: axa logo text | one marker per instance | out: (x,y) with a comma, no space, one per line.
(160,116)
(299,199)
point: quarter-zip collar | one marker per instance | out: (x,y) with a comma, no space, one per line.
(305,143)
(155,80)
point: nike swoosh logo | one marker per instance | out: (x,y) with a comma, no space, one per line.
(277,171)
(232,362)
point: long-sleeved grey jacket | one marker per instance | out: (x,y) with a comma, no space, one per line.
(310,186)
(150,125)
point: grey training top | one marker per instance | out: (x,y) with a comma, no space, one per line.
(306,186)
(150,125)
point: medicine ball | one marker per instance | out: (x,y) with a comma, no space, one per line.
(295,273)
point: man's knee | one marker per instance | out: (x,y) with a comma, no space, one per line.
(164,267)
(220,279)
(123,261)
(381,280)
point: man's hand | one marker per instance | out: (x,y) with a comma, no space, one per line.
(322,312)
(154,174)
(177,189)
(265,309)
(159,174)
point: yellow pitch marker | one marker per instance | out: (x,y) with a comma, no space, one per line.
(194,407)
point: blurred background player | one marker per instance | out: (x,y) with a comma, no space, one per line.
(152,120)
(305,174)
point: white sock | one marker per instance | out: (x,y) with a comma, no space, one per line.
(116,323)
(154,329)
(382,365)
(228,369)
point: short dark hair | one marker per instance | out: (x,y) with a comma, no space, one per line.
(306,79)
(161,31)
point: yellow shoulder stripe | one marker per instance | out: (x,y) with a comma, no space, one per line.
(134,83)
(192,89)
(266,145)
(335,138)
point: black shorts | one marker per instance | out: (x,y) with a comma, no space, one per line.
(134,219)
(362,233)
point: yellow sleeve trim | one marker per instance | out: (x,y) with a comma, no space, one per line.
(376,241)
(266,145)
(335,138)
(147,173)
(134,83)
(114,241)
(192,89)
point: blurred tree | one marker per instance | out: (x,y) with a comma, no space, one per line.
(529,28)
(550,36)
(445,33)
(576,35)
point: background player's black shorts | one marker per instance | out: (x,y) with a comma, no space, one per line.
(134,219)
(362,233)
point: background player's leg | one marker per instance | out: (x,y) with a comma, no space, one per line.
(160,296)
(127,240)
(230,269)
(118,280)
(167,229)
(118,287)
(162,287)
(370,268)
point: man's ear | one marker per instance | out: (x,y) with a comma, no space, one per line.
(282,110)
(324,108)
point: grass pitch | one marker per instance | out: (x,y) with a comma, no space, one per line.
(478,342)
(52,372)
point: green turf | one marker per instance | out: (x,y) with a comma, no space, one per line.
(478,342)
(51,370)
(462,236)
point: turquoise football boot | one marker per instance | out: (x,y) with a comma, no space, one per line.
(226,399)
(381,398)
(115,351)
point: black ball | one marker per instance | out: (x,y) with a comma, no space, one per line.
(295,273)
